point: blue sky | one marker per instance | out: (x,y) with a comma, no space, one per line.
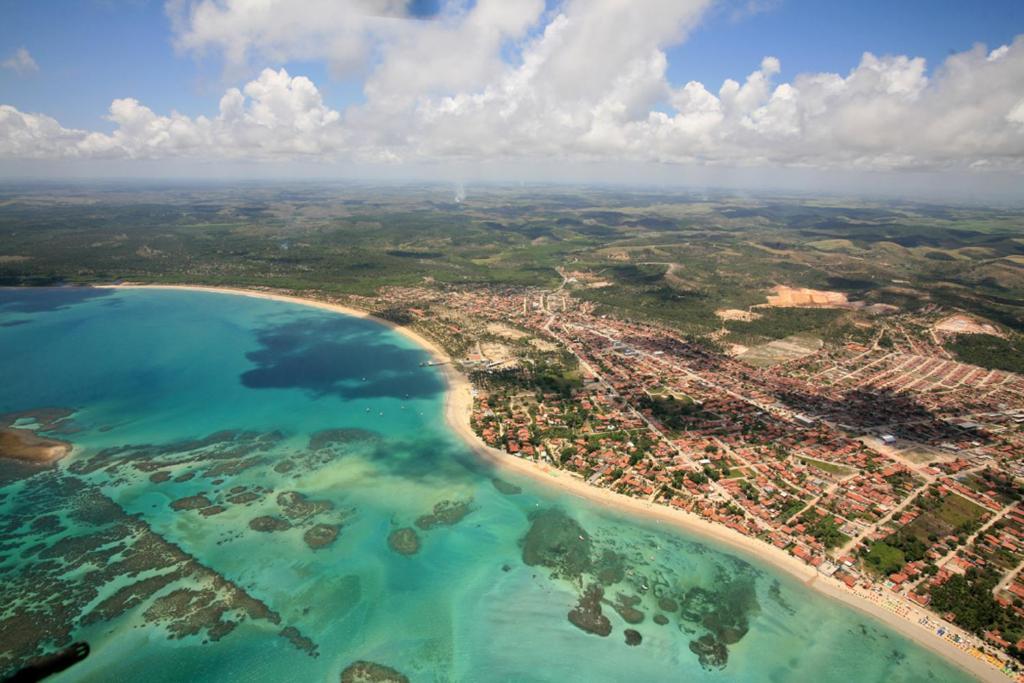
(93,51)
(831,35)
(517,89)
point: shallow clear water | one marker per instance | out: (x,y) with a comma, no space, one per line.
(196,414)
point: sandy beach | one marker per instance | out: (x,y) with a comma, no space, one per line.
(458,409)
(26,446)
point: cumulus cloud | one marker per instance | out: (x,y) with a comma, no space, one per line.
(34,136)
(274,116)
(279,31)
(595,68)
(459,48)
(583,81)
(744,10)
(20,62)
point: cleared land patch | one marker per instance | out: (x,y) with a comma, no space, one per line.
(505,331)
(781,350)
(736,314)
(783,296)
(965,324)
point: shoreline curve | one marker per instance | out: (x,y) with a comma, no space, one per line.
(458,408)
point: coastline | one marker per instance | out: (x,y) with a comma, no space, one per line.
(458,411)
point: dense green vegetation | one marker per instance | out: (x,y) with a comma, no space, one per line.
(776,323)
(670,257)
(547,373)
(970,598)
(1003,484)
(989,351)
(559,377)
(824,528)
(669,410)
(885,558)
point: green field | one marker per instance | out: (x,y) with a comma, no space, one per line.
(668,256)
(828,467)
(953,514)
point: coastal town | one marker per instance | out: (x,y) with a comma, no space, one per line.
(380,341)
(887,468)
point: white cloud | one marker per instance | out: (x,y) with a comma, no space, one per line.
(279,31)
(275,116)
(25,136)
(20,62)
(509,80)
(1016,114)
(460,48)
(750,8)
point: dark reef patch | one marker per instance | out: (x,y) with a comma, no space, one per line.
(269,524)
(587,615)
(633,637)
(371,672)
(724,612)
(191,503)
(332,356)
(505,487)
(130,596)
(47,524)
(445,513)
(45,299)
(296,506)
(222,453)
(186,612)
(557,541)
(610,567)
(301,642)
(229,468)
(341,436)
(625,605)
(53,590)
(710,652)
(404,541)
(667,604)
(730,619)
(775,593)
(47,418)
(321,535)
(243,498)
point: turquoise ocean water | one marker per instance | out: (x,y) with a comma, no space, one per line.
(262,491)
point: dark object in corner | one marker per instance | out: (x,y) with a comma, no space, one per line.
(47,665)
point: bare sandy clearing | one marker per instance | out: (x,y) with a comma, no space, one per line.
(792,297)
(736,314)
(964,324)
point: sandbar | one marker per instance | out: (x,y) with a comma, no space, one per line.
(24,445)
